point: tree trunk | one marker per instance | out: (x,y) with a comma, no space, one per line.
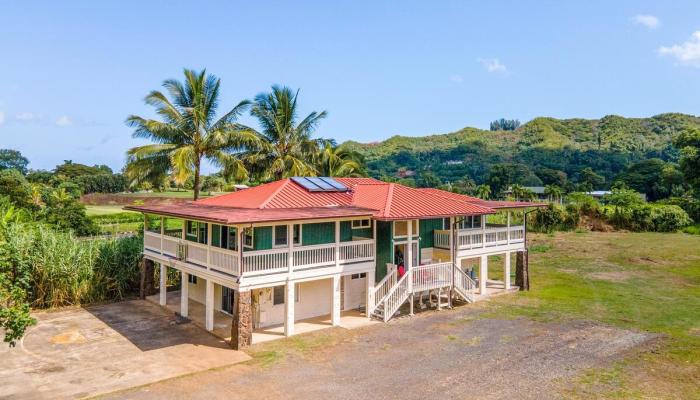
(196,178)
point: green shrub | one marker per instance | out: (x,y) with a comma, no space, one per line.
(548,219)
(668,218)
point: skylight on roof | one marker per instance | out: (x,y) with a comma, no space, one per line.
(320,184)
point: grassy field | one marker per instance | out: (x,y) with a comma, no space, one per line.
(94,211)
(641,281)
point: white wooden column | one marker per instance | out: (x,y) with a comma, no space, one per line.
(409,263)
(209,306)
(483,229)
(335,300)
(289,309)
(162,232)
(483,274)
(163,285)
(369,293)
(506,271)
(184,293)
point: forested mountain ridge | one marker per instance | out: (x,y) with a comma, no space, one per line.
(538,150)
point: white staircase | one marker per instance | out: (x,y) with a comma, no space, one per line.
(390,294)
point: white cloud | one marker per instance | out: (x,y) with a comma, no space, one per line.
(456,78)
(648,21)
(686,53)
(64,121)
(2,118)
(492,65)
(27,116)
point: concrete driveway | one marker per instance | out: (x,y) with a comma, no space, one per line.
(87,351)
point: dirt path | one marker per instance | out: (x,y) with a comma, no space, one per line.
(451,354)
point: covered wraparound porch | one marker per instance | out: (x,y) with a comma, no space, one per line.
(222,321)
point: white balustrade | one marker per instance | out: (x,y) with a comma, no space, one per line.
(197,253)
(265,261)
(224,260)
(356,251)
(170,245)
(442,239)
(314,256)
(464,284)
(432,276)
(151,241)
(468,239)
(382,288)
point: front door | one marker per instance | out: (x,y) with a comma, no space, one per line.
(227,300)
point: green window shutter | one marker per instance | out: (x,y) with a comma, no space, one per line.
(384,248)
(427,228)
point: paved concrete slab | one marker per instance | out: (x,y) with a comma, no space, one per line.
(87,351)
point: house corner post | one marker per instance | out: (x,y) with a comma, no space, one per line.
(335,300)
(163,299)
(242,324)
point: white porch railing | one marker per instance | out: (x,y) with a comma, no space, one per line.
(464,285)
(478,238)
(314,256)
(381,289)
(260,262)
(214,258)
(396,297)
(265,261)
(432,276)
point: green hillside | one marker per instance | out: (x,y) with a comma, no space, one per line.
(537,151)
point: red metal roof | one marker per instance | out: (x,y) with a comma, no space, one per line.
(287,200)
(235,215)
(495,204)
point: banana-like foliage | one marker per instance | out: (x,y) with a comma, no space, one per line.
(340,162)
(187,133)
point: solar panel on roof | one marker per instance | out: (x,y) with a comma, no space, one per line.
(334,183)
(319,184)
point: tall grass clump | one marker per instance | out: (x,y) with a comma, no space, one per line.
(67,271)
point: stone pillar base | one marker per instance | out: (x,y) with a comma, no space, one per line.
(147,285)
(522,271)
(242,324)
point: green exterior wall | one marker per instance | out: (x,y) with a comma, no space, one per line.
(346,232)
(319,233)
(426,228)
(384,253)
(262,238)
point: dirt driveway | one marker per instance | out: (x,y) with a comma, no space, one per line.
(86,351)
(449,354)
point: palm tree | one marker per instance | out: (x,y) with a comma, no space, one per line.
(338,161)
(553,192)
(285,148)
(483,191)
(188,133)
(520,193)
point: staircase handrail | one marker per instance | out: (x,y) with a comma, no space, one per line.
(389,300)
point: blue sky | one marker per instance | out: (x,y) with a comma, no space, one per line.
(71,72)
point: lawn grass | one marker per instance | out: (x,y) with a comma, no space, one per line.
(641,281)
(94,211)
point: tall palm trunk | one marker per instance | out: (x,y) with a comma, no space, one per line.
(196,178)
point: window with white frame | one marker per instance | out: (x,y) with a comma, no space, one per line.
(279,236)
(361,223)
(248,238)
(400,228)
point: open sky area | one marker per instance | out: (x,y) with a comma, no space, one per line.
(71,72)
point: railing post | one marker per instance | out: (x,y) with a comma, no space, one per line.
(162,231)
(508,227)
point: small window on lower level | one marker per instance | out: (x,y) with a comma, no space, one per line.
(192,279)
(358,276)
(278,295)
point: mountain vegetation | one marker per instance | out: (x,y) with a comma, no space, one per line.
(573,154)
